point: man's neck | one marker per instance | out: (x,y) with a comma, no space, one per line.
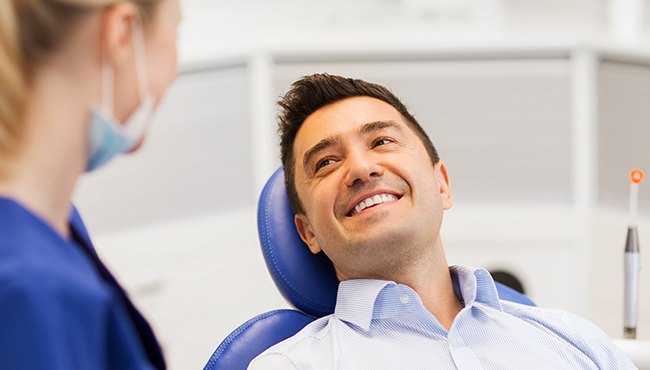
(424,269)
(431,280)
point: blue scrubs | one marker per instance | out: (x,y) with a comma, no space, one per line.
(60,308)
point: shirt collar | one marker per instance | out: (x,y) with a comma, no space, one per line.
(358,301)
(475,285)
(356,298)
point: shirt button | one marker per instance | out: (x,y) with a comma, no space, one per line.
(455,341)
(404,299)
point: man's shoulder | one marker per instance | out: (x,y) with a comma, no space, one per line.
(552,316)
(561,322)
(576,330)
(316,330)
(307,343)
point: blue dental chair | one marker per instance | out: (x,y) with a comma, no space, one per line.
(307,281)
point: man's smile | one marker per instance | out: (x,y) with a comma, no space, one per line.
(371,200)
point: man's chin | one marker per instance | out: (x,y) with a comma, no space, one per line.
(377,239)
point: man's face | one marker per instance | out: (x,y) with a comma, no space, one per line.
(373,200)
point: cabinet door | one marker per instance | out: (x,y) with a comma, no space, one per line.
(623,131)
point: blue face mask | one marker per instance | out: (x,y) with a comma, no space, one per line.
(107,137)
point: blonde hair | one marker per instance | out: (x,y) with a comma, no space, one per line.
(29,31)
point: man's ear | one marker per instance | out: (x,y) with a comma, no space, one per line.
(443,183)
(117,31)
(306,233)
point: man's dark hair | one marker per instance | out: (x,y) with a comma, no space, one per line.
(310,94)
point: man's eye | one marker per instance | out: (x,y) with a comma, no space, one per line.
(382,141)
(324,162)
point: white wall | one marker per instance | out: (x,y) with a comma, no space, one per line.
(221,26)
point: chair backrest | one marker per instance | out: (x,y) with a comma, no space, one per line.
(254,336)
(307,281)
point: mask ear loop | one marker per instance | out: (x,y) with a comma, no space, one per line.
(136,124)
(140,64)
(107,85)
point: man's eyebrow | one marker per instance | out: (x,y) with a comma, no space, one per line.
(371,127)
(322,145)
(328,142)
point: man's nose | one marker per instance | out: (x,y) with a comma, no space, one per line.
(362,167)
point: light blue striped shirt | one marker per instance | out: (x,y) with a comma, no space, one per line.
(382,325)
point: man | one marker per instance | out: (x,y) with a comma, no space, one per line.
(368,190)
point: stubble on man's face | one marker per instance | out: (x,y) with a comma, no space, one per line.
(391,161)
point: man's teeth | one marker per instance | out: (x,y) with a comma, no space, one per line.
(371,201)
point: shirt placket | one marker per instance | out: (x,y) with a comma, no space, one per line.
(463,356)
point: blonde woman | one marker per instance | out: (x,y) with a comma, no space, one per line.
(79,80)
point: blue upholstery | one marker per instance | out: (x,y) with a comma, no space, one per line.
(254,336)
(307,281)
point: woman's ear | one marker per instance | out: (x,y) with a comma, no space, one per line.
(117,31)
(306,233)
(443,184)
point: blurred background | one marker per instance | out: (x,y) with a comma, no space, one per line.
(538,108)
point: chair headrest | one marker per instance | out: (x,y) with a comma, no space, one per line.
(306,280)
